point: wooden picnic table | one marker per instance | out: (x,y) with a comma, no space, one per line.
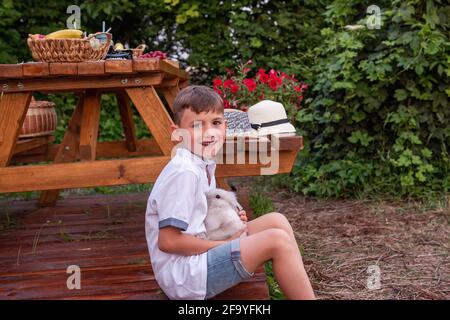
(80,160)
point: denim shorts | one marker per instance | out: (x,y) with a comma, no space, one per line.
(225,268)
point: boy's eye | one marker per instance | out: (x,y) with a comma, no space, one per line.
(217,123)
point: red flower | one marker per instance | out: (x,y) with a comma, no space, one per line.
(273,84)
(263,77)
(217,82)
(226,104)
(274,81)
(218,91)
(228,83)
(297,89)
(250,84)
(304,86)
(234,88)
(260,71)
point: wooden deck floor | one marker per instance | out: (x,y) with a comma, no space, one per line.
(103,235)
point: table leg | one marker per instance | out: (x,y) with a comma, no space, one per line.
(126,116)
(89,126)
(13,109)
(154,114)
(170,94)
(68,150)
(222,183)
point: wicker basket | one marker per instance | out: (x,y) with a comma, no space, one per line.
(70,50)
(40,120)
(138,51)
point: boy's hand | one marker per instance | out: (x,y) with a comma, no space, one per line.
(243,216)
(237,234)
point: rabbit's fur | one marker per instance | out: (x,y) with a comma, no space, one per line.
(222,220)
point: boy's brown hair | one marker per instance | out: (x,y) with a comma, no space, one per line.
(198,99)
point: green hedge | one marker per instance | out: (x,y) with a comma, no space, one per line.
(378,118)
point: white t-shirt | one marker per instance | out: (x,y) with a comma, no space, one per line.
(178,199)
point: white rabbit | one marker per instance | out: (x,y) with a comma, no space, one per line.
(222,220)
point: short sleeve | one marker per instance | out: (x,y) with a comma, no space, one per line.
(176,199)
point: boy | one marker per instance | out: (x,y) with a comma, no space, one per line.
(185,265)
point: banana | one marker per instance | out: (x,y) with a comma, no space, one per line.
(66,33)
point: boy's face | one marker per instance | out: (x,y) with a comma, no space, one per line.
(202,133)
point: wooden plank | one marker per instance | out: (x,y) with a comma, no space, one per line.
(172,70)
(174,63)
(170,94)
(81,83)
(223,184)
(106,149)
(36,69)
(144,147)
(67,151)
(63,69)
(145,65)
(126,116)
(23,145)
(89,125)
(115,267)
(154,115)
(119,66)
(11,71)
(13,109)
(123,171)
(91,68)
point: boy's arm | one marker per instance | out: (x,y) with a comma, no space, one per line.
(172,240)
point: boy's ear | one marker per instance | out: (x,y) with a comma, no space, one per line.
(176,136)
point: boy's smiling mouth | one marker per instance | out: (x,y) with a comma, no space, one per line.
(208,143)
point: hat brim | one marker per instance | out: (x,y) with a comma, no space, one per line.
(284,128)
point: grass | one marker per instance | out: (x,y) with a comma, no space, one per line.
(7,223)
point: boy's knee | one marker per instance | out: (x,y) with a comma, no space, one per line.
(279,238)
(280,218)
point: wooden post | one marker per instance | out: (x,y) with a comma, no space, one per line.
(13,109)
(155,115)
(126,115)
(68,150)
(89,126)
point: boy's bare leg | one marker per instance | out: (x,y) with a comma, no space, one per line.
(275,244)
(268,221)
(272,220)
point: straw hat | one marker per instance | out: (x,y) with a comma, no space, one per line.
(269,117)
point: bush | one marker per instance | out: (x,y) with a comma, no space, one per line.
(377,119)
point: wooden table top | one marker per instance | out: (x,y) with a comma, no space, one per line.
(90,68)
